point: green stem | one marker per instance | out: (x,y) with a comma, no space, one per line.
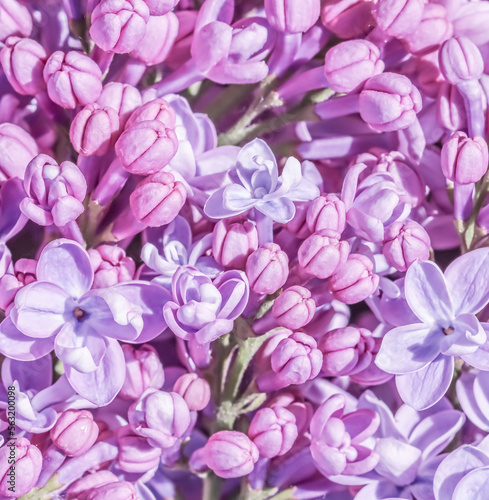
(212,487)
(44,493)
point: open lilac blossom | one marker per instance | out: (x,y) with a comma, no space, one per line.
(446,306)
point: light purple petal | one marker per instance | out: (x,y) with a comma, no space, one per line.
(279,210)
(475,485)
(480,358)
(41,309)
(467,279)
(66,264)
(476,408)
(34,375)
(101,386)
(409,348)
(426,387)
(214,206)
(245,163)
(426,292)
(16,345)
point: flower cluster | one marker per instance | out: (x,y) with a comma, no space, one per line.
(244,249)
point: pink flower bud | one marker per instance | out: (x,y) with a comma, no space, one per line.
(75,432)
(119,25)
(135,453)
(233,241)
(460,60)
(194,390)
(292,16)
(93,129)
(322,253)
(273,430)
(121,490)
(54,193)
(111,266)
(389,102)
(143,371)
(27,461)
(161,33)
(347,18)
(21,149)
(23,62)
(350,64)
(326,212)
(432,31)
(146,147)
(122,97)
(80,489)
(398,18)
(294,307)
(404,243)
(158,199)
(160,7)
(267,269)
(464,160)
(450,107)
(157,109)
(161,417)
(354,280)
(230,454)
(73,79)
(15,19)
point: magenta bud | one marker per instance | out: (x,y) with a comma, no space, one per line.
(27,462)
(119,25)
(160,7)
(74,432)
(354,280)
(460,60)
(347,18)
(398,18)
(23,63)
(161,33)
(233,241)
(432,31)
(135,453)
(93,130)
(195,390)
(267,269)
(143,371)
(73,79)
(15,19)
(326,212)
(111,266)
(22,148)
(122,97)
(121,490)
(80,489)
(450,107)
(464,160)
(348,65)
(389,102)
(55,193)
(158,199)
(157,109)
(322,253)
(161,417)
(273,430)
(230,454)
(294,307)
(292,16)
(146,147)
(404,243)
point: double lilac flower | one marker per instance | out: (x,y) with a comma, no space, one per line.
(83,326)
(422,354)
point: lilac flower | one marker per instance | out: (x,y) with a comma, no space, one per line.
(422,354)
(59,311)
(256,184)
(204,310)
(472,393)
(409,445)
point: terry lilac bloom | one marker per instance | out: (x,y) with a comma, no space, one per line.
(256,184)
(60,311)
(422,354)
(204,310)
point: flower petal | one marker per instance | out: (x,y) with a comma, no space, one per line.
(408,348)
(474,485)
(426,387)
(279,210)
(426,292)
(475,407)
(467,279)
(66,264)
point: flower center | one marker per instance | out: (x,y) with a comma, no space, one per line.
(79,313)
(449,330)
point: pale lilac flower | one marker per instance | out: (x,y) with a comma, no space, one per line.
(422,354)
